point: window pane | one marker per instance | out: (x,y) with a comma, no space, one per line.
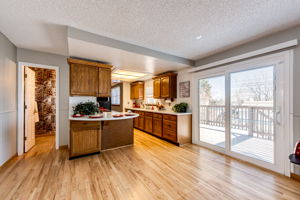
(252,116)
(212,110)
(115,95)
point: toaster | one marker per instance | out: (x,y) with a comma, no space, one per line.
(297,149)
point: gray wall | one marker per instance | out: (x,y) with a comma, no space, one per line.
(8,99)
(25,55)
(290,34)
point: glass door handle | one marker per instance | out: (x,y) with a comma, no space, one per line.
(278,117)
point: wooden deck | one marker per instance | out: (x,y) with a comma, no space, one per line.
(261,149)
(151,169)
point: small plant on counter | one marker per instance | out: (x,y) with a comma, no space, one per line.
(87,108)
(180,108)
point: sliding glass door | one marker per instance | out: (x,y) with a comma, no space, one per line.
(239,111)
(212,110)
(252,113)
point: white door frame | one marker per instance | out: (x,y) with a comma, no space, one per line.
(20,137)
(287,116)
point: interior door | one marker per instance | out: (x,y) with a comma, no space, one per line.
(29,109)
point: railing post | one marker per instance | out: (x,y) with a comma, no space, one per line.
(250,121)
(207,116)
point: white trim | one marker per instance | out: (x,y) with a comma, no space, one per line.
(20,136)
(287,115)
(269,49)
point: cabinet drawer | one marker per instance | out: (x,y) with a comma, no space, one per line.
(85,124)
(148,114)
(170,117)
(170,135)
(158,116)
(171,125)
(141,113)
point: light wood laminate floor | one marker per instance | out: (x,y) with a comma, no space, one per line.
(151,169)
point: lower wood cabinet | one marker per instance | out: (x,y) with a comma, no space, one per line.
(141,122)
(177,129)
(157,127)
(85,138)
(148,124)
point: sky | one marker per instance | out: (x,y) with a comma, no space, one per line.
(241,82)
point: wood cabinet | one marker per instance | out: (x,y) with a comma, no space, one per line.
(141,119)
(85,138)
(104,82)
(89,78)
(157,125)
(83,80)
(148,122)
(174,128)
(165,86)
(170,127)
(156,88)
(137,90)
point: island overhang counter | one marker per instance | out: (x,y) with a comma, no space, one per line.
(92,135)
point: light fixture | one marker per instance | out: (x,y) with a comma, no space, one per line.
(198,37)
(127,75)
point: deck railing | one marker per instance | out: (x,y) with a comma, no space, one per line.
(256,121)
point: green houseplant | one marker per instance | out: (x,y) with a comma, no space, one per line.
(180,108)
(87,108)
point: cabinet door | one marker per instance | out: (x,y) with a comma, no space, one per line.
(85,138)
(165,87)
(157,127)
(136,121)
(148,124)
(132,87)
(170,135)
(140,91)
(104,82)
(141,122)
(156,88)
(83,80)
(136,92)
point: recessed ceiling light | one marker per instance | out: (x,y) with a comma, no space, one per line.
(126,75)
(198,37)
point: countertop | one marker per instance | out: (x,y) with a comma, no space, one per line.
(160,111)
(110,118)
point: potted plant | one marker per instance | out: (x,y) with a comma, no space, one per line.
(180,108)
(87,108)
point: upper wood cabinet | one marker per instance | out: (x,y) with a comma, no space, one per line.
(156,88)
(137,90)
(165,86)
(83,80)
(89,78)
(104,82)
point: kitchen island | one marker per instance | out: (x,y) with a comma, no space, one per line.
(92,135)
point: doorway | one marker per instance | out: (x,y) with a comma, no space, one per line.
(243,111)
(40,107)
(38,119)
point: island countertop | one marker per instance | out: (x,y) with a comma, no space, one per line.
(110,118)
(159,111)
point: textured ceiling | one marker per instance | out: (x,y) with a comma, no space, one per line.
(121,59)
(168,26)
